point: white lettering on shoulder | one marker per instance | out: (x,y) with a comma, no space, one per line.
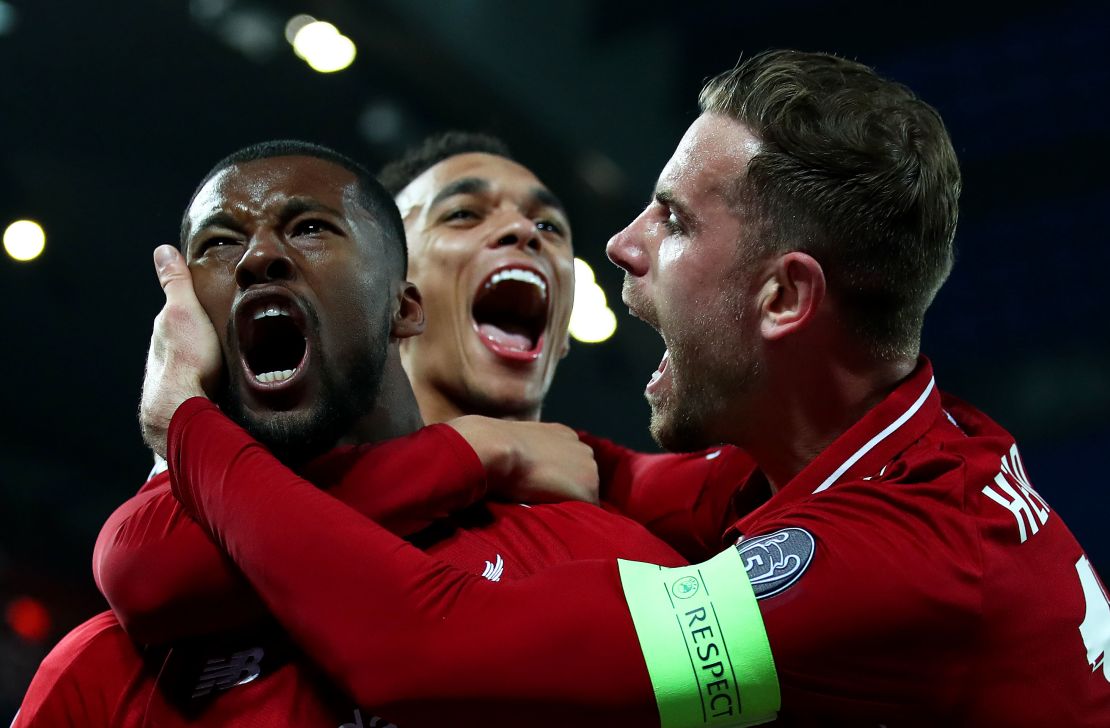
(1017,495)
(1095,629)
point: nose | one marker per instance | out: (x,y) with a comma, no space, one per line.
(265,261)
(626,251)
(520,231)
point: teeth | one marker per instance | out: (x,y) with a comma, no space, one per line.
(270,311)
(519,274)
(281,376)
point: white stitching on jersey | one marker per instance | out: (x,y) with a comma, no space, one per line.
(829,481)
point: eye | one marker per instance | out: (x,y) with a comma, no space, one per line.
(312,226)
(216,241)
(461,214)
(673,225)
(549,226)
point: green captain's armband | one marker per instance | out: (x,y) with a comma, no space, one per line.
(703,641)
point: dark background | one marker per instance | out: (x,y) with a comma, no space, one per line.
(111,112)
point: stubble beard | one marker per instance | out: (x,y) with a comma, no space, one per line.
(295,437)
(710,378)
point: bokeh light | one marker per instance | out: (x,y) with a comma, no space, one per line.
(323,47)
(591,319)
(24,240)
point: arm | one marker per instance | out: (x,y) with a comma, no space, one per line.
(165,579)
(162,573)
(685,499)
(401,632)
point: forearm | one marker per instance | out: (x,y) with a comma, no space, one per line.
(403,633)
(166,580)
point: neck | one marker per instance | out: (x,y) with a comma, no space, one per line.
(440,405)
(395,413)
(805,407)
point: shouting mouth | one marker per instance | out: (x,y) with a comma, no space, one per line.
(273,346)
(510,312)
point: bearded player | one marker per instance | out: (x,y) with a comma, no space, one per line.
(903,570)
(297,257)
(490,250)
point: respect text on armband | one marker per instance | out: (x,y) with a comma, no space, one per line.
(707,649)
(704,644)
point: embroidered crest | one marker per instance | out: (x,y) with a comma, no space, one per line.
(777,560)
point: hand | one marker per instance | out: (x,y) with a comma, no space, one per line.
(531,462)
(184,359)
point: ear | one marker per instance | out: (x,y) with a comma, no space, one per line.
(408,316)
(791,295)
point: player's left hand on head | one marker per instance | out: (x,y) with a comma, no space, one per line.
(184,359)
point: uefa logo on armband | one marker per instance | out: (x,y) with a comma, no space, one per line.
(685,587)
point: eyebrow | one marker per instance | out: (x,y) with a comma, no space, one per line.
(477,185)
(294,207)
(546,197)
(464,186)
(299,205)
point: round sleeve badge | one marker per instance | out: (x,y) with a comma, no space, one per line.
(776,560)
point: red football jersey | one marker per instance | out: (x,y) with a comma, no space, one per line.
(96,676)
(909,575)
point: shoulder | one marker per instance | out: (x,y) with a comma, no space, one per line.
(83,678)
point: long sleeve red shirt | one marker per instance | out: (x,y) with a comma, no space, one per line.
(925,574)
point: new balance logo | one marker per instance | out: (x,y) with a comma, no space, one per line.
(222,674)
(1018,496)
(493,571)
(374,722)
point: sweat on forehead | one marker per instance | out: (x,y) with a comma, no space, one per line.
(372,196)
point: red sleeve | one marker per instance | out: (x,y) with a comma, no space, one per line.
(401,632)
(686,499)
(166,580)
(81,681)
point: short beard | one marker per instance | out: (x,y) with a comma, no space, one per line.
(698,412)
(295,438)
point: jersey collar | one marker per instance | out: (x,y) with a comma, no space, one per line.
(891,426)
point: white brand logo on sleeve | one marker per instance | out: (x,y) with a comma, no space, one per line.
(221,674)
(1095,628)
(493,571)
(1020,499)
(374,722)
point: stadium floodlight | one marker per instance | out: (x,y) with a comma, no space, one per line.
(24,240)
(323,47)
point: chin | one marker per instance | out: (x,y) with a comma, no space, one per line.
(505,399)
(679,431)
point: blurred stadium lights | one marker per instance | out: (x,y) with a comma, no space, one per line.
(602,174)
(381,122)
(8,18)
(28,618)
(253,31)
(323,47)
(294,25)
(24,240)
(591,319)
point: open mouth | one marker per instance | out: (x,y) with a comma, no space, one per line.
(272,342)
(656,381)
(510,312)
